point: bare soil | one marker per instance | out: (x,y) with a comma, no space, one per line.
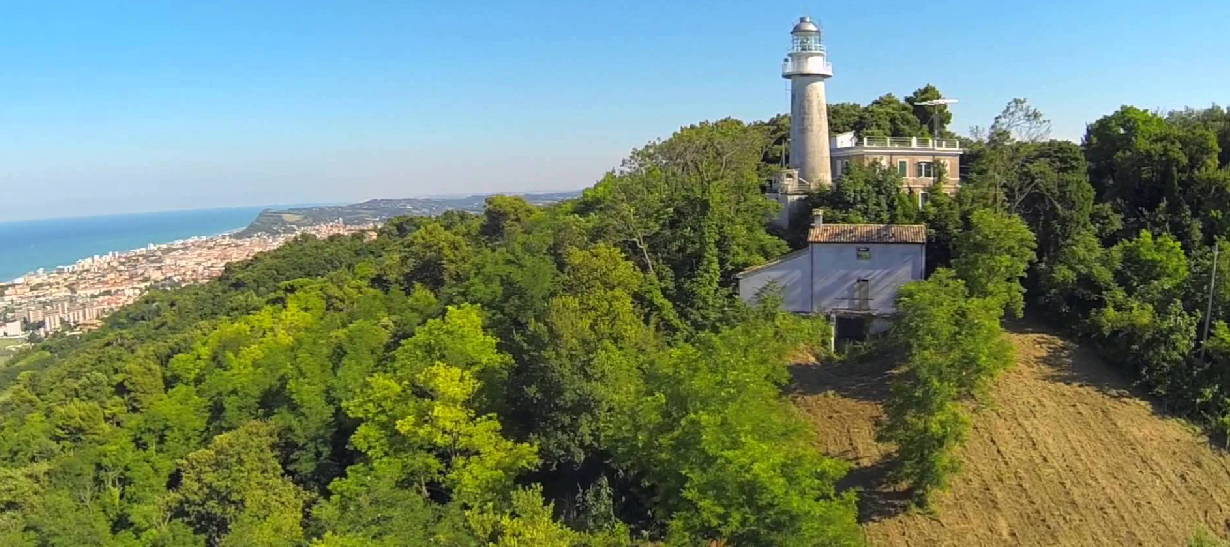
(1063,452)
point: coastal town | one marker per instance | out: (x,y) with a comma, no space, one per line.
(77,297)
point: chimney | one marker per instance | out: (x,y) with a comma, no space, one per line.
(817,218)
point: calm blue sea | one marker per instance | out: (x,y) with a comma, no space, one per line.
(28,245)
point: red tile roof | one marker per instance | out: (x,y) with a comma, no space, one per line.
(867,233)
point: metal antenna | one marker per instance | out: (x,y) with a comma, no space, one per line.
(935,133)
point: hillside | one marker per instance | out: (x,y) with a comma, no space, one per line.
(1063,454)
(274,221)
(7,346)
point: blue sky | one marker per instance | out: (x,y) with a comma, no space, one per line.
(109,107)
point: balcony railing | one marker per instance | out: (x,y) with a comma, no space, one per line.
(807,65)
(909,142)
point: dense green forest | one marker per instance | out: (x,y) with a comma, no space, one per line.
(584,374)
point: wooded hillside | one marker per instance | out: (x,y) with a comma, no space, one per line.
(583,373)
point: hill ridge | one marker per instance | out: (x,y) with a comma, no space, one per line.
(378,210)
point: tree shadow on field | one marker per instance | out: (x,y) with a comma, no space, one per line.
(862,379)
(1065,361)
(878,499)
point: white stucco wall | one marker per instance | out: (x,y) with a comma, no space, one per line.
(836,269)
(822,278)
(792,272)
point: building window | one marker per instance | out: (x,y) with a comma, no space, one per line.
(863,253)
(903,168)
(924,169)
(922,199)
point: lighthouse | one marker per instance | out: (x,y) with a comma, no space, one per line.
(807,67)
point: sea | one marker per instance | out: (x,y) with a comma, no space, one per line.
(27,245)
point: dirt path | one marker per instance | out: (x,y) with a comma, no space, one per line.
(1063,455)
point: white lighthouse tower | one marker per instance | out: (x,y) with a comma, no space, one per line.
(807,67)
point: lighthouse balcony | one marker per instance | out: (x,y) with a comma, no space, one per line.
(808,64)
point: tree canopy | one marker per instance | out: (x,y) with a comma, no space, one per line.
(585,374)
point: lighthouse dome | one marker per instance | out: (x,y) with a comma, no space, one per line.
(805,25)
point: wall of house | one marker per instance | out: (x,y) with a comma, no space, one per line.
(791,272)
(836,268)
(822,278)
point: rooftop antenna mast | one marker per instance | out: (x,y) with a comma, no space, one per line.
(935,118)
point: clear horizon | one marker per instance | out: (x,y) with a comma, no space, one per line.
(132,107)
(252,206)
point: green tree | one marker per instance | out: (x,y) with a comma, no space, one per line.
(843,117)
(888,116)
(434,257)
(942,215)
(504,215)
(993,257)
(1146,166)
(686,207)
(236,487)
(867,194)
(368,507)
(728,460)
(422,417)
(1074,280)
(930,117)
(954,347)
(586,359)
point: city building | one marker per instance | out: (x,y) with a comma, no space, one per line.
(77,297)
(816,160)
(10,329)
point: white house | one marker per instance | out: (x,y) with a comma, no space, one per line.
(848,272)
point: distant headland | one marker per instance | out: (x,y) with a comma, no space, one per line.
(281,221)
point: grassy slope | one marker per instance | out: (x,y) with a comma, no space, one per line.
(1064,454)
(5,344)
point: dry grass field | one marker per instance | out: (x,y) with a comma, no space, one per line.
(1063,453)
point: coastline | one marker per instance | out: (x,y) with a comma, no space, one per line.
(228,233)
(79,296)
(26,246)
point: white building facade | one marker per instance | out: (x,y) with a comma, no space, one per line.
(11,329)
(846,271)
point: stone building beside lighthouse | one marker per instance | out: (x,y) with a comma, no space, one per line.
(817,160)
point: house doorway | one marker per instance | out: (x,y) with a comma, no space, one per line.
(851,328)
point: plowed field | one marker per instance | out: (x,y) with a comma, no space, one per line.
(1064,453)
